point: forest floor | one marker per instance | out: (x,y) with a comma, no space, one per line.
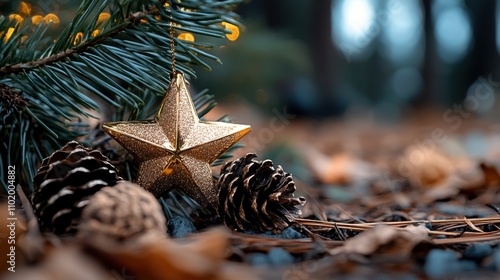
(420,198)
(412,200)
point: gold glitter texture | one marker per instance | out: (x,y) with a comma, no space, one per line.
(176,148)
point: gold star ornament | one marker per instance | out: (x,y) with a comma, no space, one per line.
(175,149)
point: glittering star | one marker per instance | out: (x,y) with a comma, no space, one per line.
(175,149)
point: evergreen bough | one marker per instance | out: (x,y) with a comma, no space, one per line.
(49,85)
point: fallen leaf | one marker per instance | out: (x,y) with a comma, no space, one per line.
(384,240)
(339,169)
(425,167)
(154,257)
(214,244)
(63,263)
(448,188)
(491,177)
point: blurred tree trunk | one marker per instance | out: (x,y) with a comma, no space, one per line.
(483,58)
(323,56)
(315,29)
(430,64)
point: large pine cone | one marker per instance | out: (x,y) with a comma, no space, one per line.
(64,184)
(253,195)
(121,212)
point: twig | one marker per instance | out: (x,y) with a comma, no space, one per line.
(309,222)
(262,243)
(458,240)
(349,215)
(340,233)
(29,66)
(455,223)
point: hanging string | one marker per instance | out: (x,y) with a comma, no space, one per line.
(172,45)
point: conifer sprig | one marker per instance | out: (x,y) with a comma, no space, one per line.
(113,52)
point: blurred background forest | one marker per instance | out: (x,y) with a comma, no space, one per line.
(366,56)
(415,66)
(334,57)
(341,58)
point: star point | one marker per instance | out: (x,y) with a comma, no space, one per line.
(175,149)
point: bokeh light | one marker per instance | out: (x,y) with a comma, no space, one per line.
(235,31)
(25,9)
(51,18)
(351,24)
(452,29)
(9,33)
(402,32)
(103,17)
(186,36)
(17,18)
(36,20)
(78,38)
(406,83)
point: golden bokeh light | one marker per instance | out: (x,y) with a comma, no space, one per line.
(36,20)
(103,17)
(25,8)
(16,17)
(9,33)
(51,18)
(235,31)
(78,38)
(186,36)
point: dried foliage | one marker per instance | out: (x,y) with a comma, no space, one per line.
(366,220)
(156,257)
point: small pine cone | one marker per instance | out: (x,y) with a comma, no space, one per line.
(120,212)
(255,195)
(64,184)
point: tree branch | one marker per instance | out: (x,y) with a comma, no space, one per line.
(29,66)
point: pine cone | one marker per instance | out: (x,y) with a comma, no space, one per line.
(64,184)
(121,212)
(255,195)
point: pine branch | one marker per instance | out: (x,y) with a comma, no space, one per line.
(45,61)
(126,65)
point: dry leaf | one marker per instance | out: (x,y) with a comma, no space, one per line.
(448,188)
(384,240)
(64,263)
(340,169)
(214,244)
(471,179)
(491,177)
(155,257)
(425,167)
